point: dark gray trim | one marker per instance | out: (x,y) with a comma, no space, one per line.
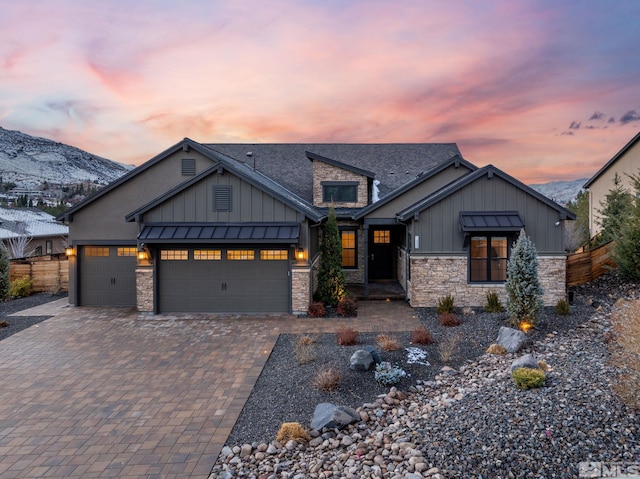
(488,171)
(455,160)
(498,221)
(339,164)
(611,161)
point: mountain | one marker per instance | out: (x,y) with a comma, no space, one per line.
(561,191)
(30,161)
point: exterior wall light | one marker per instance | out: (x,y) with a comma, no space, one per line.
(300,254)
(70,251)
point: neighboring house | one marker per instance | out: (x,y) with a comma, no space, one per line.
(237,227)
(29,232)
(625,162)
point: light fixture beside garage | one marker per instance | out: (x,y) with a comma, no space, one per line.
(143,253)
(70,251)
(300,255)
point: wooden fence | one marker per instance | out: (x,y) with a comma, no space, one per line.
(49,274)
(586,266)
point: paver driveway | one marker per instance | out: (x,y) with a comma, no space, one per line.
(110,393)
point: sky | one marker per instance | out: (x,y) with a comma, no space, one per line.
(544,90)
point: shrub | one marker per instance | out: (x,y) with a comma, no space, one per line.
(20,287)
(421,335)
(388,343)
(4,273)
(347,336)
(526,378)
(496,349)
(388,374)
(448,347)
(327,379)
(292,431)
(304,350)
(347,307)
(626,252)
(524,292)
(331,282)
(562,307)
(494,305)
(317,309)
(448,319)
(445,304)
(306,340)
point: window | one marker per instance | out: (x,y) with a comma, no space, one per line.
(349,248)
(38,251)
(382,236)
(340,191)
(240,255)
(48,247)
(207,255)
(174,254)
(488,258)
(188,167)
(222,198)
(127,251)
(96,251)
(273,254)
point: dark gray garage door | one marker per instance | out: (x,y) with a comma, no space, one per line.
(108,276)
(223,280)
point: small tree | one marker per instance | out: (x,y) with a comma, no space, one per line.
(524,291)
(331,282)
(615,210)
(577,232)
(4,273)
(626,252)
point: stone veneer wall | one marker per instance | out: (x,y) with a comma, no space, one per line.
(301,278)
(144,289)
(326,172)
(434,277)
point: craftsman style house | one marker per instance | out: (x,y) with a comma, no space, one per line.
(237,228)
(624,163)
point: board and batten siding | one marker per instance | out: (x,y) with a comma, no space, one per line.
(248,204)
(439,226)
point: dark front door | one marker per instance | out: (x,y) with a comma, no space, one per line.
(381,254)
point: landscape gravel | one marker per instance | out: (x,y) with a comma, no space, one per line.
(15,324)
(462,417)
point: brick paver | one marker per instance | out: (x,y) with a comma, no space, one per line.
(98,392)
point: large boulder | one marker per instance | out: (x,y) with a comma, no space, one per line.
(361,360)
(526,361)
(331,416)
(511,339)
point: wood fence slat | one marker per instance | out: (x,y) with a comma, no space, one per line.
(48,273)
(586,266)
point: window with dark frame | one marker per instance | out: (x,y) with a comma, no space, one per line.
(349,240)
(488,257)
(340,191)
(48,247)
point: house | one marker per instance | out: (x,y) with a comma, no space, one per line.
(625,162)
(29,232)
(237,227)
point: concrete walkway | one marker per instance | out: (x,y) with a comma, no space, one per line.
(96,392)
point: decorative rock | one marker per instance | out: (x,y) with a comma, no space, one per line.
(331,416)
(511,339)
(245,450)
(526,361)
(374,354)
(361,360)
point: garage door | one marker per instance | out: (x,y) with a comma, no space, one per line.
(223,280)
(108,276)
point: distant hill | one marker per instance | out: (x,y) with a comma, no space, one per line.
(30,161)
(561,191)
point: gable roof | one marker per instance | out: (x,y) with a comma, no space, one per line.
(252,177)
(455,160)
(394,164)
(612,161)
(488,171)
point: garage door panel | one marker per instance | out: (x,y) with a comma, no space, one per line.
(224,285)
(107,278)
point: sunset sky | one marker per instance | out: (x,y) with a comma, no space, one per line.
(545,90)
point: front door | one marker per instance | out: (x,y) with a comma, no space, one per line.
(381,254)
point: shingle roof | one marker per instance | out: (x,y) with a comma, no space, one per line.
(16,222)
(394,164)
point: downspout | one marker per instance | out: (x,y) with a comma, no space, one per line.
(366,260)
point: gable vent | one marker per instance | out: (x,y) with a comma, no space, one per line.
(222,198)
(188,167)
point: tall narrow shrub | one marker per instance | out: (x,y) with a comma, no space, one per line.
(615,209)
(331,282)
(4,273)
(524,291)
(626,252)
